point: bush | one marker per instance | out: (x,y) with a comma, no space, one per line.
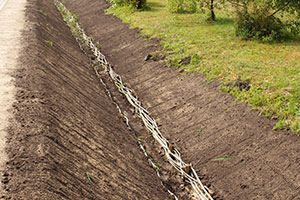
(294,25)
(138,4)
(183,6)
(259,26)
(261,19)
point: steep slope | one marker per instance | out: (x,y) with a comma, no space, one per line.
(67,140)
(205,123)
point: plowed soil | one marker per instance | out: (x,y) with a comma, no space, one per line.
(67,140)
(254,162)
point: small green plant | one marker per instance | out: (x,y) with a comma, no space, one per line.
(43,13)
(200,131)
(141,137)
(90,178)
(221,159)
(49,42)
(280,126)
(296,127)
(157,165)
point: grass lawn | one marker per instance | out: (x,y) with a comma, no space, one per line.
(273,69)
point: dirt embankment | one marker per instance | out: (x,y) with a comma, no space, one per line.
(255,162)
(67,140)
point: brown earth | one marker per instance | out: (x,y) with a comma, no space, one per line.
(11,25)
(67,140)
(66,128)
(204,122)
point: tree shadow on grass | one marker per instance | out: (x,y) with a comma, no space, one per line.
(220,21)
(290,40)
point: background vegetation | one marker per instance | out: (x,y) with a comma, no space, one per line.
(137,4)
(246,59)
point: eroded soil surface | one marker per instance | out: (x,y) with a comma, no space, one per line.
(233,147)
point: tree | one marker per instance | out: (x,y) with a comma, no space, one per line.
(141,4)
(211,5)
(213,16)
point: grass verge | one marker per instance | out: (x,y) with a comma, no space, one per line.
(270,72)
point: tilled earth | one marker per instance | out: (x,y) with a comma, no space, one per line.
(204,123)
(68,141)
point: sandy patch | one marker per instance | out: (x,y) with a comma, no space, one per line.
(11,24)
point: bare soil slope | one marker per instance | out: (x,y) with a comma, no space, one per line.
(11,24)
(65,126)
(204,122)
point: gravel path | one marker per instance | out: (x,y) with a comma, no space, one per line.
(11,24)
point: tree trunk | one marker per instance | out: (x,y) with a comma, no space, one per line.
(140,3)
(213,16)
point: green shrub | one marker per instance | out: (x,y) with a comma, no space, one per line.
(261,19)
(182,6)
(139,4)
(294,25)
(258,25)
